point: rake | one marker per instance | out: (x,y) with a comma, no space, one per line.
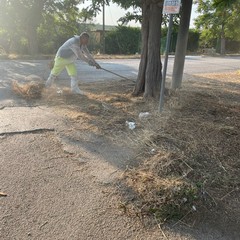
(115,74)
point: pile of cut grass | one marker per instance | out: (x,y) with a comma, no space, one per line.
(30,90)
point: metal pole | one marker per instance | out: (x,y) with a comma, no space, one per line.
(103,34)
(161,102)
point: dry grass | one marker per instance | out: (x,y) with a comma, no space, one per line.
(30,90)
(188,156)
(196,158)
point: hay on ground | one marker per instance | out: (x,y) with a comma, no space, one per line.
(29,90)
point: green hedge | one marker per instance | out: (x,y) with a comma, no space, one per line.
(123,40)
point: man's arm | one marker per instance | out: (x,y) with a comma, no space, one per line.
(80,54)
(91,60)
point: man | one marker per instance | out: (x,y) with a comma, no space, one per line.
(73,49)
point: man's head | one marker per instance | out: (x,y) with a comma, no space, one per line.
(84,38)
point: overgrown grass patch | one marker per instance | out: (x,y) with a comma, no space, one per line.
(186,158)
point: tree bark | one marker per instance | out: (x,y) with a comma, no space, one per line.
(149,75)
(33,19)
(223,41)
(140,84)
(31,32)
(154,66)
(181,47)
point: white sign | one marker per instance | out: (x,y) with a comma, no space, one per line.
(171,6)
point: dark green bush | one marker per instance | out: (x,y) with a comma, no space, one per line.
(123,40)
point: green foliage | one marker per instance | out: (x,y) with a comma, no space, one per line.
(177,204)
(43,25)
(123,40)
(60,25)
(222,4)
(218,19)
(232,46)
(4,42)
(193,40)
(127,4)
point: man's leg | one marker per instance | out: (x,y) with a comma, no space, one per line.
(72,72)
(59,65)
(74,86)
(50,80)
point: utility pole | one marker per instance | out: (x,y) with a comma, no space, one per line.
(103,33)
(169,7)
(181,47)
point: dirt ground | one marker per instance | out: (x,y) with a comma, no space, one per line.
(71,168)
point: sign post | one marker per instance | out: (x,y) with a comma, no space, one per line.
(169,7)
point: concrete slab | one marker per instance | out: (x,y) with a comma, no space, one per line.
(27,119)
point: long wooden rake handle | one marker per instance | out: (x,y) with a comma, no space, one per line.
(114,73)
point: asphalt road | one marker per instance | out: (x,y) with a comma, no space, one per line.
(18,69)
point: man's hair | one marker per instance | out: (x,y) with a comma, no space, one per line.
(84,34)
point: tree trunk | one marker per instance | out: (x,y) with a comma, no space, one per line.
(181,47)
(140,84)
(154,65)
(32,40)
(223,41)
(34,17)
(149,76)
